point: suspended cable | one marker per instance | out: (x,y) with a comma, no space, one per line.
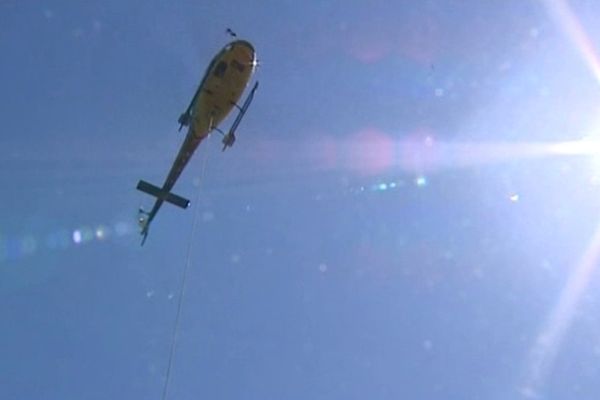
(175,333)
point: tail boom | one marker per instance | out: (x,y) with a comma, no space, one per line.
(163,194)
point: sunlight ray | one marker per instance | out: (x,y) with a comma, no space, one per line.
(549,339)
(563,15)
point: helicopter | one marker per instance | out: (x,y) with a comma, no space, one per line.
(223,84)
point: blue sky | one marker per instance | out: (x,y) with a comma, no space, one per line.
(408,210)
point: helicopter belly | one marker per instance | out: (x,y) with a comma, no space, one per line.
(222,86)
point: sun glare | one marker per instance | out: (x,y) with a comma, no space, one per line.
(545,348)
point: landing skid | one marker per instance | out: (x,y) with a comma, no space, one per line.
(229,138)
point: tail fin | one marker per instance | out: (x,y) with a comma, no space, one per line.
(144,223)
(162,194)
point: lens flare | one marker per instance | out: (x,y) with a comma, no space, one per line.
(372,152)
(421,181)
(564,17)
(549,340)
(77,237)
(15,248)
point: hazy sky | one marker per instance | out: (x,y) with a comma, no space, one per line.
(408,211)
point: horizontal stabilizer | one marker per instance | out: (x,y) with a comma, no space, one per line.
(162,195)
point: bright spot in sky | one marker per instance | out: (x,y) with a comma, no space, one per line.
(323,267)
(587,146)
(77,236)
(101,233)
(382,186)
(421,181)
(514,198)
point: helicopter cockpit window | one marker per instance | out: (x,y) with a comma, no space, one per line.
(237,65)
(220,69)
